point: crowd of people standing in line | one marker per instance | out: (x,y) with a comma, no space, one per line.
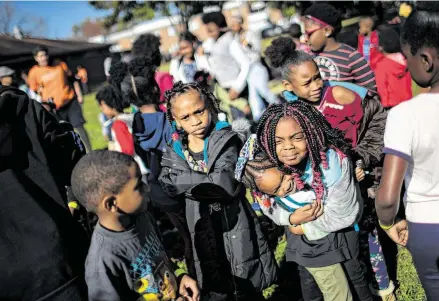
(212,148)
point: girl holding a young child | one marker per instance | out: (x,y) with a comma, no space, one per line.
(296,148)
(349,108)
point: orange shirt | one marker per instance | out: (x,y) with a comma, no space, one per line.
(51,82)
(82,75)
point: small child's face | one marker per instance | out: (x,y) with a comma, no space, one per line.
(274,182)
(108,112)
(366,26)
(291,147)
(132,198)
(191,113)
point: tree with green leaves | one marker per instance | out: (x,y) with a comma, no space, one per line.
(125,13)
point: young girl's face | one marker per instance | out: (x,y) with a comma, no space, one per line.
(316,35)
(274,182)
(305,81)
(291,147)
(191,113)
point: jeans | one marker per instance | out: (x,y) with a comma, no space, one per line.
(423,244)
(258,90)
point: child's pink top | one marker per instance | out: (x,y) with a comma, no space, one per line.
(165,82)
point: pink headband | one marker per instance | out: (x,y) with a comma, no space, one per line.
(318,21)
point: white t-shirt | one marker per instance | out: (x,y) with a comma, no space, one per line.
(412,133)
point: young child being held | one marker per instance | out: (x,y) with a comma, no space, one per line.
(126,259)
(202,158)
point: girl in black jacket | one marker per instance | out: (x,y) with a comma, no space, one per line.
(232,258)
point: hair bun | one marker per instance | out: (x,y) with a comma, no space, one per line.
(280,51)
(428,6)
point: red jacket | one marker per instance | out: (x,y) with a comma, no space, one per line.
(394,82)
(374,50)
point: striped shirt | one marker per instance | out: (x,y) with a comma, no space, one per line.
(346,65)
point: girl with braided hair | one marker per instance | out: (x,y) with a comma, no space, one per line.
(301,143)
(152,133)
(232,257)
(347,107)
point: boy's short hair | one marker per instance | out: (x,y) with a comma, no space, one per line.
(100,173)
(215,17)
(295,31)
(326,13)
(40,48)
(388,39)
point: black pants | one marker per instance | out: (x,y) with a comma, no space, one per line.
(354,273)
(178,219)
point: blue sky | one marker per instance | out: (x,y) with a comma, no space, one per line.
(60,16)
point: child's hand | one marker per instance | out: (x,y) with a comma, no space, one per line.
(359,174)
(307,213)
(193,294)
(399,233)
(296,230)
(233,94)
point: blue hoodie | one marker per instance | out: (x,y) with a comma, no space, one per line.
(152,130)
(152,133)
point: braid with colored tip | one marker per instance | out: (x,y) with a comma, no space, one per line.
(319,135)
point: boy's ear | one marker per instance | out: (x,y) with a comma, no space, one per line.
(110,203)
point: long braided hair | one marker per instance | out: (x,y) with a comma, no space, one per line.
(180,88)
(319,135)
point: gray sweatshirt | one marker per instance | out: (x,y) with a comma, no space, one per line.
(341,210)
(129,265)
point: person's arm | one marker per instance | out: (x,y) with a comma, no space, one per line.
(223,171)
(78,91)
(244,65)
(32,81)
(398,154)
(388,195)
(361,71)
(371,139)
(123,137)
(174,176)
(342,205)
(107,281)
(173,69)
(282,217)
